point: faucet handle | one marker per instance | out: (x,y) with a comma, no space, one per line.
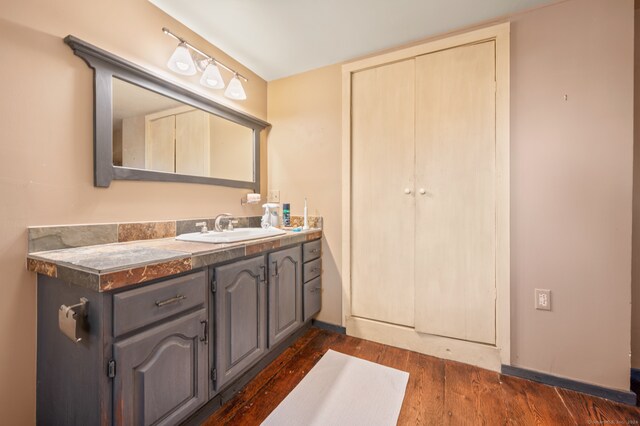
(221,216)
(230,226)
(203,227)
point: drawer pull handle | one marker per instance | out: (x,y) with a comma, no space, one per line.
(314,270)
(314,251)
(175,299)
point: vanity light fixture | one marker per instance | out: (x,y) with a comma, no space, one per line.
(235,89)
(211,76)
(181,61)
(187,59)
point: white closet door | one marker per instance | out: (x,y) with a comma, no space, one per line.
(455,201)
(160,144)
(192,143)
(383,203)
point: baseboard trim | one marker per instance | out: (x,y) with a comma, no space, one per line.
(327,326)
(625,397)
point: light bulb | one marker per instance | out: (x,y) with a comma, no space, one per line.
(211,77)
(181,61)
(235,90)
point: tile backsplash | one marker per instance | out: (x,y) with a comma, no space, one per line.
(45,238)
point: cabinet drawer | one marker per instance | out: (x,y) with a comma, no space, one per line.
(311,250)
(312,269)
(311,298)
(136,308)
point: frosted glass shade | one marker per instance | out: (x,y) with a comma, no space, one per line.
(235,90)
(181,61)
(211,77)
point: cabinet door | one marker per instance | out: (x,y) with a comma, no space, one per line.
(285,294)
(161,374)
(382,193)
(241,321)
(455,176)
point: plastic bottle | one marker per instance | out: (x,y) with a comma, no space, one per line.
(286,214)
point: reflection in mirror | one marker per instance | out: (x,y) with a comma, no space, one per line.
(154,132)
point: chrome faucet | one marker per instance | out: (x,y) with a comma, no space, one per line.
(217,227)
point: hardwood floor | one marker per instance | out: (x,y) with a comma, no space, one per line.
(439,392)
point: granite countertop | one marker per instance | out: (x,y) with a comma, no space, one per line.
(107,267)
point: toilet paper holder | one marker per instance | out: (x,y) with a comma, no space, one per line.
(69,318)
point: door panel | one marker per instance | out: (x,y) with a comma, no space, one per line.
(455,216)
(192,143)
(241,317)
(160,144)
(285,294)
(382,215)
(161,373)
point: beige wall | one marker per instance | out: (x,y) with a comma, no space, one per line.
(635,274)
(571,186)
(46,172)
(570,182)
(304,160)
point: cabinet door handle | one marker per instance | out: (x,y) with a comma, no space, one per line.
(175,299)
(275,268)
(263,273)
(407,191)
(423,191)
(205,331)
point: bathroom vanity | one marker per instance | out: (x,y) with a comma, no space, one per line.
(168,326)
(136,327)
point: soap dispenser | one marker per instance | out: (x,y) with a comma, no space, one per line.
(266,219)
(270,216)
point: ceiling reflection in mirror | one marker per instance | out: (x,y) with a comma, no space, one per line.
(155,132)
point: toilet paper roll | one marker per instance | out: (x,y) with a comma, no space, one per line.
(68,323)
(253,198)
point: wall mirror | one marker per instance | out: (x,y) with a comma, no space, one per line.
(147,128)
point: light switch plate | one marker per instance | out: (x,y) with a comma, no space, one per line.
(543,299)
(274,196)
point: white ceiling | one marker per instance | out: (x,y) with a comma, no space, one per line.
(278,38)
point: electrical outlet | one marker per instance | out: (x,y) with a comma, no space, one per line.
(543,299)
(274,196)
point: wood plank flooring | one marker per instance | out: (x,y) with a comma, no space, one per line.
(439,392)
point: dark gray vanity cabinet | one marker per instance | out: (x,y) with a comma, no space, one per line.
(162,359)
(143,358)
(161,352)
(285,293)
(312,270)
(241,317)
(162,372)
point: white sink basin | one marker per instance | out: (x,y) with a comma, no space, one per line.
(239,234)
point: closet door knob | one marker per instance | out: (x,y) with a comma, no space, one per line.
(423,191)
(407,191)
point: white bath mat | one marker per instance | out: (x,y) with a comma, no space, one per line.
(343,390)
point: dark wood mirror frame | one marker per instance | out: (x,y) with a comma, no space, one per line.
(106,66)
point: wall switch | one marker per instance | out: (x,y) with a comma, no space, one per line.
(543,299)
(274,196)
